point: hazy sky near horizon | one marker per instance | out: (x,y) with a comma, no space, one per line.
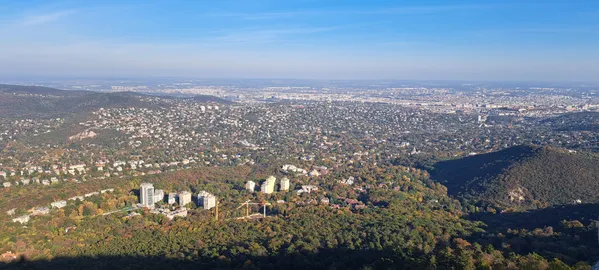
(320,39)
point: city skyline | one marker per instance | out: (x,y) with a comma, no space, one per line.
(416,40)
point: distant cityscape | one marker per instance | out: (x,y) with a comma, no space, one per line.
(179,157)
(531,98)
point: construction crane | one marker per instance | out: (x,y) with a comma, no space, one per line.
(247,207)
(216,210)
(264,204)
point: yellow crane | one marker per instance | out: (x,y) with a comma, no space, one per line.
(216,210)
(247,207)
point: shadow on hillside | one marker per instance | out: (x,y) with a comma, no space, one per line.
(551,216)
(470,173)
(324,259)
(543,232)
(135,192)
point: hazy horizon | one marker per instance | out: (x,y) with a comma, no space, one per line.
(331,40)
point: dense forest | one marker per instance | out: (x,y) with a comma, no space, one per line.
(409,222)
(522,177)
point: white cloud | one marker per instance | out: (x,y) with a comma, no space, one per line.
(46,18)
(261,36)
(381,11)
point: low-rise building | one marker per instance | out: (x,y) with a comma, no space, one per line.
(58,204)
(177,213)
(293,168)
(307,189)
(349,181)
(22,219)
(181,212)
(40,211)
(314,173)
(81,198)
(91,194)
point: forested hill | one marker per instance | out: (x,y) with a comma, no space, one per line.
(40,90)
(33,101)
(522,177)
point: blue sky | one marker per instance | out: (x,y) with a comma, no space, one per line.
(321,39)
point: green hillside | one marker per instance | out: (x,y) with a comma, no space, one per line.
(42,102)
(522,177)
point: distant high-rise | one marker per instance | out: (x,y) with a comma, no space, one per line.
(172,198)
(285,184)
(268,186)
(209,201)
(184,198)
(158,195)
(201,196)
(250,186)
(146,195)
